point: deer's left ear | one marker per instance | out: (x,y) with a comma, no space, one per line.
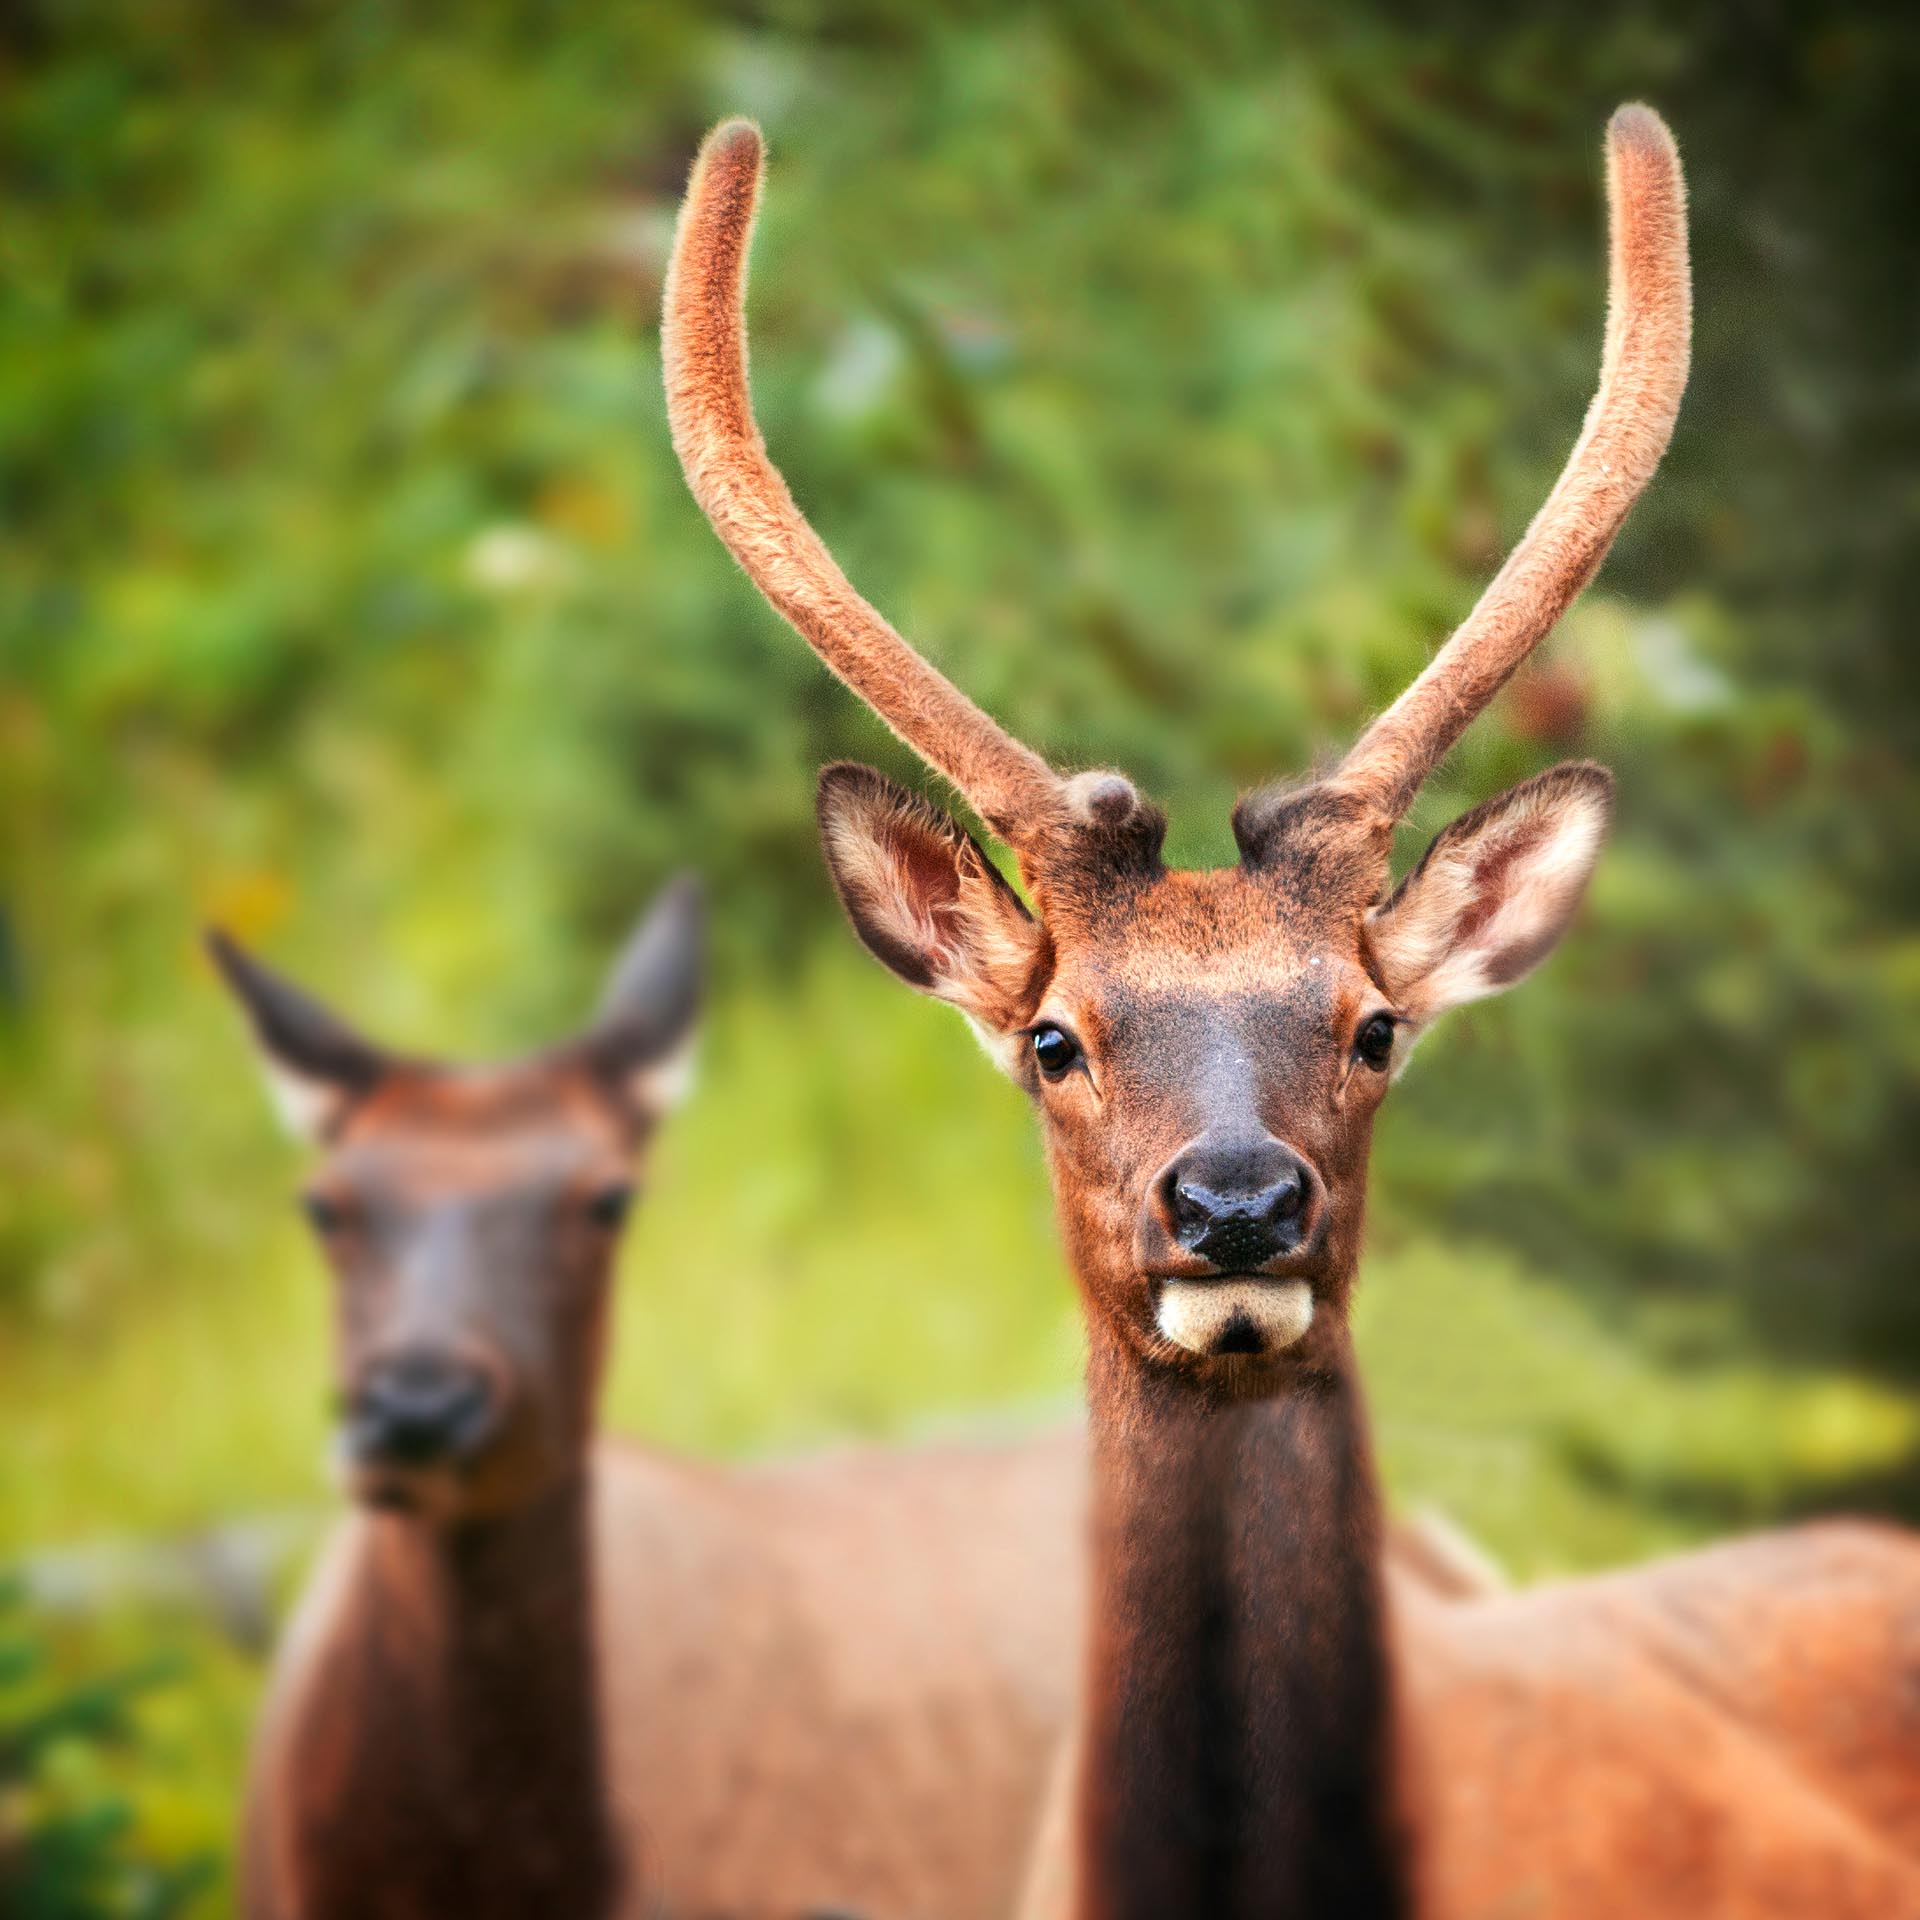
(641,1041)
(1493,893)
(316,1065)
(926,901)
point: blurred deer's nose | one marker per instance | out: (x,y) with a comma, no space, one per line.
(422,1408)
(1239,1204)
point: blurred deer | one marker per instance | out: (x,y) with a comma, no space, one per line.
(542,1674)
(1267,1726)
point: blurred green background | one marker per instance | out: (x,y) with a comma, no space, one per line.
(1175,379)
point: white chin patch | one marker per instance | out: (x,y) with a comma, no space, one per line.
(1235,1316)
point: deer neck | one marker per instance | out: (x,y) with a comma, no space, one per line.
(1237,1727)
(468,1721)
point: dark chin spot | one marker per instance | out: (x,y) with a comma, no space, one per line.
(388,1495)
(1240,1335)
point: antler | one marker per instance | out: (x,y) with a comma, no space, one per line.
(1643,372)
(704,350)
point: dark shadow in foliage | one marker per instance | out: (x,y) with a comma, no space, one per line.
(1707,1504)
(68,1856)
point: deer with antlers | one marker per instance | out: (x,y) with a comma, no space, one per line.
(1268,1725)
(542,1673)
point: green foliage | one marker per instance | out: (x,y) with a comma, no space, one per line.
(1175,378)
(69,1845)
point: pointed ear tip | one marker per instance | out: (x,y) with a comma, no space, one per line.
(685,900)
(1597,780)
(684,892)
(839,772)
(1584,776)
(841,782)
(231,961)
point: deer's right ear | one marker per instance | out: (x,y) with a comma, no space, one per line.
(927,902)
(1493,893)
(641,1042)
(316,1065)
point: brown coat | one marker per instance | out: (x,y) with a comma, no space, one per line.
(828,1685)
(1688,1739)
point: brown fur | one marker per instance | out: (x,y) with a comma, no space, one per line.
(1443,937)
(573,1677)
(1236,1721)
(825,1686)
(1261,1732)
(1730,1733)
(584,1677)
(935,905)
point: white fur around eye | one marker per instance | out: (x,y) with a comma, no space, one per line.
(306,1108)
(1005,1050)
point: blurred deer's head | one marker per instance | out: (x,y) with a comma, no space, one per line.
(1207,1049)
(471,1217)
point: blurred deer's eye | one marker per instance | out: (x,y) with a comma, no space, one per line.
(1374,1042)
(1054,1050)
(324,1214)
(608,1208)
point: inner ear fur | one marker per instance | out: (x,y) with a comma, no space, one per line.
(1494,892)
(926,901)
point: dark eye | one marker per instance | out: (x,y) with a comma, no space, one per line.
(1054,1050)
(326,1216)
(608,1208)
(1374,1042)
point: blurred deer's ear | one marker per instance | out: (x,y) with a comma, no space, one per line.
(641,1041)
(317,1067)
(1493,893)
(927,902)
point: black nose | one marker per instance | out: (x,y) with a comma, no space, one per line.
(421,1408)
(1238,1205)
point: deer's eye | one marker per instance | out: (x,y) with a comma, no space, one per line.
(608,1206)
(326,1215)
(1374,1042)
(1054,1050)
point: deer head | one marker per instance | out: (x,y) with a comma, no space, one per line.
(470,1216)
(1207,1049)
